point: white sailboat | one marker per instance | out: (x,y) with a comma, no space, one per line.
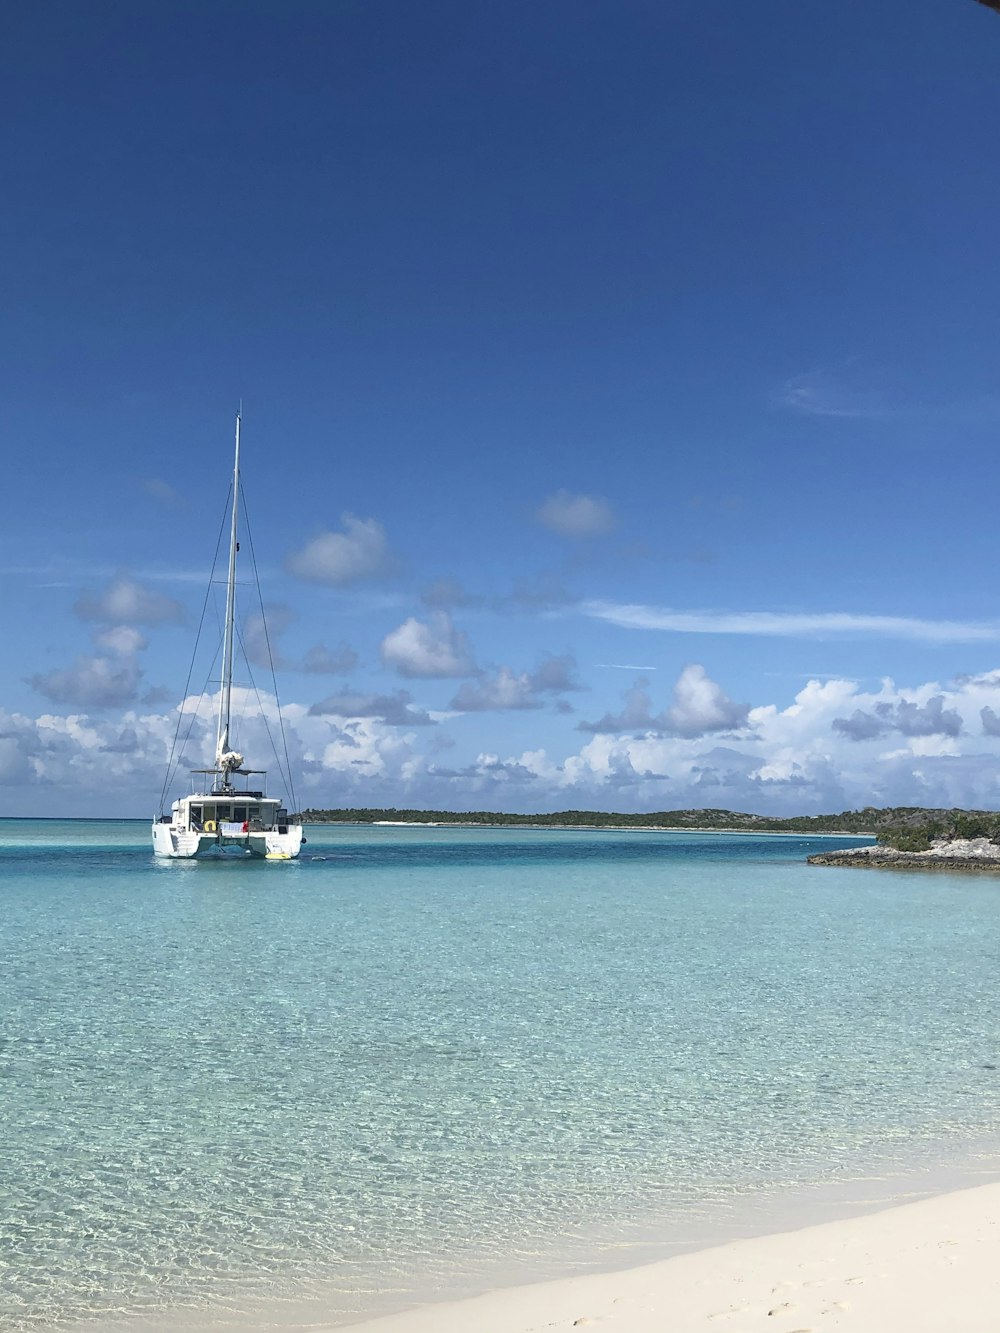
(225,815)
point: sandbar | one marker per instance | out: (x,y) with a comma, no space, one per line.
(932,1266)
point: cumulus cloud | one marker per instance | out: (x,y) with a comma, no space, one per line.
(503,691)
(556,675)
(93,682)
(700,707)
(526,689)
(637,715)
(905,716)
(572,515)
(991,679)
(789,758)
(82,763)
(36,750)
(395,710)
(108,679)
(929,719)
(430,649)
(126,602)
(360,551)
(861,726)
(124,640)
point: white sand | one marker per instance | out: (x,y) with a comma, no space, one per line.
(927,1267)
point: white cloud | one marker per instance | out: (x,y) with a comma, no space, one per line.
(791,624)
(503,691)
(904,716)
(126,602)
(124,640)
(92,682)
(357,761)
(360,551)
(795,760)
(109,678)
(700,706)
(526,689)
(637,715)
(556,675)
(936,746)
(432,649)
(572,515)
(76,754)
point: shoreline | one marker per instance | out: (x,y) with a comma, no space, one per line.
(587,828)
(807,1244)
(910,1267)
(976,854)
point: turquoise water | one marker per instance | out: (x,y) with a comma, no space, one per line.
(249,1091)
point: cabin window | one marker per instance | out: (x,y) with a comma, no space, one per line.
(209,812)
(239,814)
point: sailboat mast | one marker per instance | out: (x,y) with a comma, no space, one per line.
(222,745)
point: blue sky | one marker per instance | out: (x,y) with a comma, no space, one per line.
(619,382)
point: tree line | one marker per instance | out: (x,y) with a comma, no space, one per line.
(906,827)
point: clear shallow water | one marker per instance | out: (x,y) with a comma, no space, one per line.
(243,1088)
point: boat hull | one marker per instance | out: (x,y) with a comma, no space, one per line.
(180,844)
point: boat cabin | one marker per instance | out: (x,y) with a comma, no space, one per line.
(251,811)
(229,811)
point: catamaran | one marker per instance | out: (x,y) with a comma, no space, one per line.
(224,815)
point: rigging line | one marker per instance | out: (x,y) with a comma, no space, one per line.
(283,772)
(194,654)
(197,711)
(294,805)
(171,768)
(204,688)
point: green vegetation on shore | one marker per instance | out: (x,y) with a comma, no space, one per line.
(850,821)
(917,834)
(908,828)
(853,822)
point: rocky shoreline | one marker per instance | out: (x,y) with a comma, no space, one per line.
(955,854)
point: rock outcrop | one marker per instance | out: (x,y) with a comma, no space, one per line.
(947,854)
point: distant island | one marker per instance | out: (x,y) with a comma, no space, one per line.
(907,835)
(853,821)
(902,828)
(927,840)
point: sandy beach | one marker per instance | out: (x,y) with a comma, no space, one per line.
(927,1267)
